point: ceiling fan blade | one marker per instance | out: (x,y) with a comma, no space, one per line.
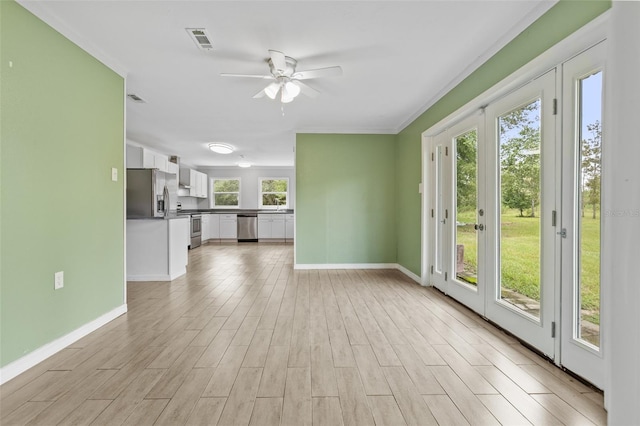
(306,89)
(319,72)
(259,95)
(263,77)
(278,60)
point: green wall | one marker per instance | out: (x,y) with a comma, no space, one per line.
(345,199)
(62,130)
(559,22)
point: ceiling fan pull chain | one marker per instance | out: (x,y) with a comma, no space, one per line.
(282,109)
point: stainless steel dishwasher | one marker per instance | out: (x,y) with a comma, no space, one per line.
(247,228)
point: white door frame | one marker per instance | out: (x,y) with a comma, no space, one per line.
(575,355)
(540,332)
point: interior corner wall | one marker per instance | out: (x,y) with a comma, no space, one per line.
(62,130)
(621,219)
(345,208)
(556,24)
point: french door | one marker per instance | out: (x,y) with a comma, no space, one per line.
(457,190)
(492,184)
(513,213)
(521,197)
(580,343)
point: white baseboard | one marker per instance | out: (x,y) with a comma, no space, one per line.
(408,273)
(397,266)
(346,266)
(158,277)
(21,365)
(149,277)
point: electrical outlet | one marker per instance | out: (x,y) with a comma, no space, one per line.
(58,280)
(114,174)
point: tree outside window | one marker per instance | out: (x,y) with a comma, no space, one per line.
(226,192)
(274,193)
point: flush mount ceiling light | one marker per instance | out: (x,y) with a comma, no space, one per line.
(221,148)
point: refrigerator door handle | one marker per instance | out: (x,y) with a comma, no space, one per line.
(165,195)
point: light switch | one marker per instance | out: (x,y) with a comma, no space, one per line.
(58,280)
(114,174)
(420,188)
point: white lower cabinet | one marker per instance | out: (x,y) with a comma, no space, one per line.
(214,226)
(210,227)
(271,226)
(206,227)
(228,226)
(157,249)
(289,226)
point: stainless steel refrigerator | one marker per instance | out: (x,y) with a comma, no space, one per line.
(151,193)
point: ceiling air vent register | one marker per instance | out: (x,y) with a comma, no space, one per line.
(136,98)
(201,38)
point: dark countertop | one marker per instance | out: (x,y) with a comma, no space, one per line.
(170,217)
(232,211)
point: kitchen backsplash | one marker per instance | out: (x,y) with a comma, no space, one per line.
(190,203)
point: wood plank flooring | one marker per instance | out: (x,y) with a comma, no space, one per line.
(245,339)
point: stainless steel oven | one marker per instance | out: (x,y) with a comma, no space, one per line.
(196,230)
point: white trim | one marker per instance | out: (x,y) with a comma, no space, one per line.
(589,35)
(159,277)
(212,199)
(514,31)
(42,11)
(345,266)
(261,193)
(409,274)
(322,266)
(123,175)
(33,358)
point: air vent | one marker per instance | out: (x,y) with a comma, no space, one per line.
(136,98)
(201,38)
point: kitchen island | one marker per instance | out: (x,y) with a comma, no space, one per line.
(157,248)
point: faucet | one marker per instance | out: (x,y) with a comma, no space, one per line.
(277,204)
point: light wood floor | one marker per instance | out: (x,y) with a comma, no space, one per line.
(245,339)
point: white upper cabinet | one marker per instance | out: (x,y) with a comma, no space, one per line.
(195,181)
(143,158)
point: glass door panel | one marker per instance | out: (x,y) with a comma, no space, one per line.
(466,196)
(587,320)
(439,209)
(521,195)
(581,336)
(466,242)
(519,155)
(454,194)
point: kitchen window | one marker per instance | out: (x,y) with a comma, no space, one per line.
(274,193)
(225,192)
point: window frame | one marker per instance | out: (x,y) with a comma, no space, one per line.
(212,203)
(261,193)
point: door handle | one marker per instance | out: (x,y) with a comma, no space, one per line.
(478,227)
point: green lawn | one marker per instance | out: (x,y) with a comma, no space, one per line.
(520,255)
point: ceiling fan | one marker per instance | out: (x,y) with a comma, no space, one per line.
(287,82)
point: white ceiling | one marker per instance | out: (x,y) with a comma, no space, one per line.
(397,58)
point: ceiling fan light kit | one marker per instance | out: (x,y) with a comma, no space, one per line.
(288,82)
(221,148)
